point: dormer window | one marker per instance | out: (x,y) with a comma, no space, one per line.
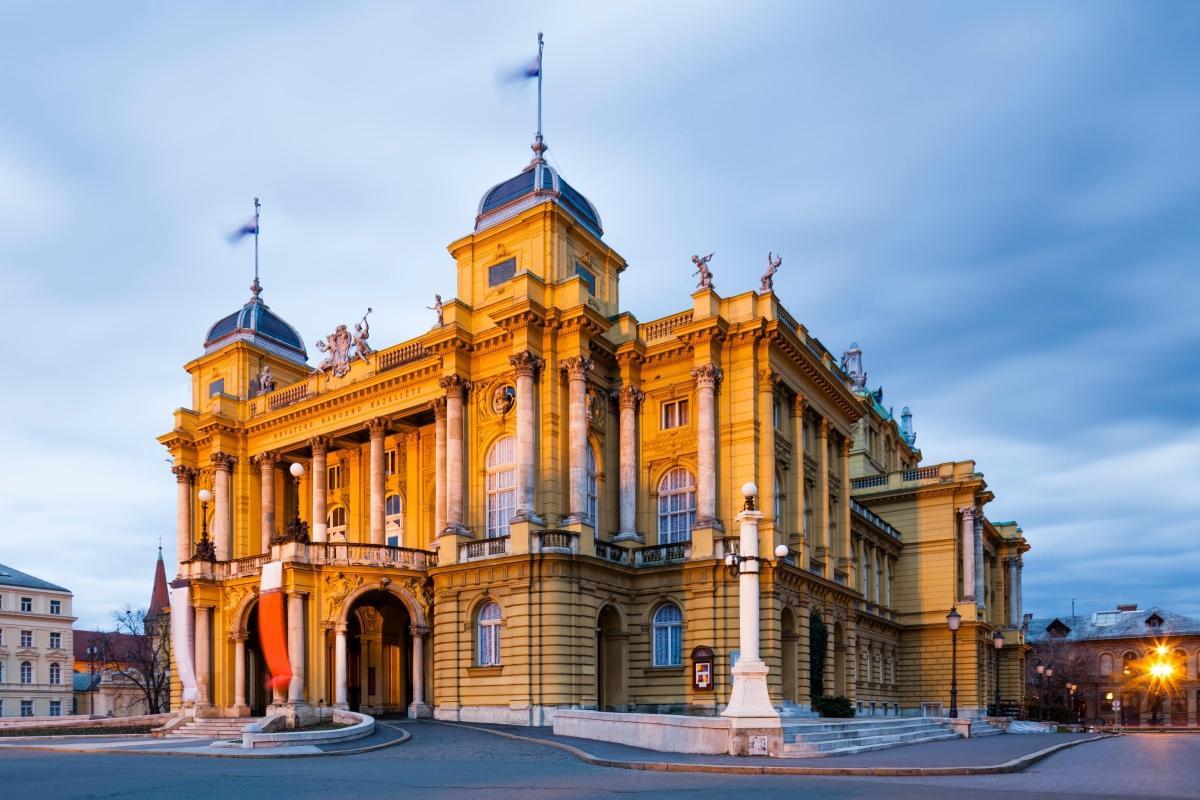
(1154,621)
(1057,630)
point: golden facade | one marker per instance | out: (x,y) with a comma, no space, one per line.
(527,507)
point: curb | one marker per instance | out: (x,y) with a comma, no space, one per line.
(1014,765)
(402,739)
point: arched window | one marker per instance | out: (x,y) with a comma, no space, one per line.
(487,636)
(668,636)
(26,672)
(1129,662)
(55,673)
(393,520)
(676,506)
(592,507)
(337,522)
(501,485)
(1106,664)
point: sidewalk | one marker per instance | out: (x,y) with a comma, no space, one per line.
(385,735)
(989,755)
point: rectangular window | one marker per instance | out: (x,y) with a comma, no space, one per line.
(216,387)
(26,638)
(26,708)
(499,273)
(56,708)
(674,414)
(56,606)
(55,640)
(335,475)
(586,275)
(27,604)
(389,462)
(1,645)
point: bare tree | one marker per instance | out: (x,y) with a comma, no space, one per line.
(139,651)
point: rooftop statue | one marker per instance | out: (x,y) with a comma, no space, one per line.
(703,271)
(768,278)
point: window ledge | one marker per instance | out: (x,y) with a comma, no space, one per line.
(666,669)
(488,670)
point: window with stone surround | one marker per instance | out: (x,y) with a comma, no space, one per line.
(592,507)
(56,708)
(26,708)
(487,635)
(393,508)
(335,475)
(26,638)
(674,414)
(389,462)
(676,506)
(55,640)
(501,485)
(337,521)
(668,636)
(55,673)
(27,604)
(26,672)
(55,606)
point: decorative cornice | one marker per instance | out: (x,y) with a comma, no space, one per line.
(576,368)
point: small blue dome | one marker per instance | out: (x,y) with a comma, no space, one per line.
(257,324)
(537,183)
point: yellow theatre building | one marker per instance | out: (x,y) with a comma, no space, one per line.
(527,507)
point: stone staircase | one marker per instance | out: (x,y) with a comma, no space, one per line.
(827,737)
(213,728)
(981,728)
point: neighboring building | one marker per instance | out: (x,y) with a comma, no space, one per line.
(109,663)
(1147,659)
(35,646)
(527,507)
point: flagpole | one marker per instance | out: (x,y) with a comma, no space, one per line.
(539,128)
(257,205)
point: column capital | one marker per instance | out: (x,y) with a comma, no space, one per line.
(707,376)
(968,512)
(419,630)
(184,474)
(629,397)
(823,427)
(238,636)
(266,460)
(576,368)
(845,445)
(438,404)
(527,364)
(319,445)
(800,405)
(455,385)
(412,439)
(377,427)
(223,461)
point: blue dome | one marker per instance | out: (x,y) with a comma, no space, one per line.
(257,324)
(537,183)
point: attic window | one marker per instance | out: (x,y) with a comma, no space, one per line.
(1057,630)
(499,273)
(1154,621)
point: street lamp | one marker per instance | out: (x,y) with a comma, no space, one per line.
(998,642)
(1049,675)
(1041,671)
(204,550)
(954,620)
(297,530)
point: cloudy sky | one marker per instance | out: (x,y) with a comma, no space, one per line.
(997,200)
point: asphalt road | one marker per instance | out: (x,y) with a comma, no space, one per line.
(456,764)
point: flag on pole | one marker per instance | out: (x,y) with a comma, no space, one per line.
(249,229)
(532,69)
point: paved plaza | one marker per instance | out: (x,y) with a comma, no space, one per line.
(458,763)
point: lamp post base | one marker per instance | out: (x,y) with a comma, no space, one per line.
(755,729)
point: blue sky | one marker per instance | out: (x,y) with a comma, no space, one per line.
(998,201)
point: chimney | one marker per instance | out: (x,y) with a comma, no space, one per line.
(1127,607)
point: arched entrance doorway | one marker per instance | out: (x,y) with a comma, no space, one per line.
(254,667)
(610,661)
(787,627)
(378,644)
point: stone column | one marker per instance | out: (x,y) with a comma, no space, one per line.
(203,656)
(222,518)
(576,369)
(266,464)
(822,515)
(980,589)
(417,708)
(1020,620)
(377,428)
(844,503)
(707,376)
(630,400)
(239,670)
(527,367)
(1010,589)
(320,492)
(456,388)
(339,667)
(967,551)
(439,449)
(184,480)
(797,475)
(295,643)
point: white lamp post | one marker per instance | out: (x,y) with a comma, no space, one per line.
(754,719)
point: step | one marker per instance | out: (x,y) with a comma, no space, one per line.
(826,736)
(798,751)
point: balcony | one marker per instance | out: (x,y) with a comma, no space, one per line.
(657,555)
(611,552)
(554,541)
(317,554)
(484,548)
(918,476)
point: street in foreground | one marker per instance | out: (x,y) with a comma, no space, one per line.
(447,762)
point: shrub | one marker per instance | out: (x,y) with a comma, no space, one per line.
(839,706)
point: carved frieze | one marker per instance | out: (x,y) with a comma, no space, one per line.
(337,588)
